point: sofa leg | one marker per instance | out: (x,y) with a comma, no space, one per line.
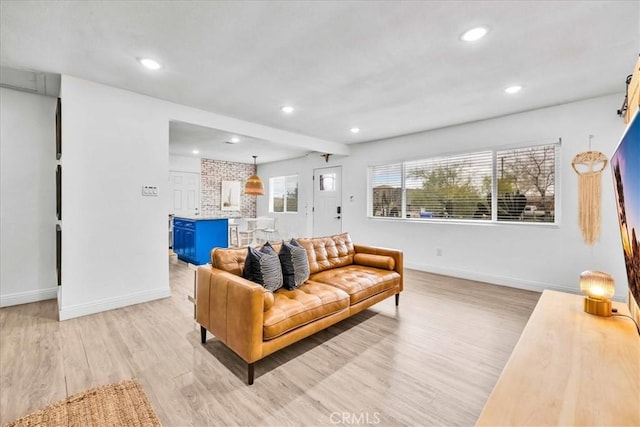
(203,334)
(397,299)
(250,373)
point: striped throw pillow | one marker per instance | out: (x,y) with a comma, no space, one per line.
(263,267)
(295,265)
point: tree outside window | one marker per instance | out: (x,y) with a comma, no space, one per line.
(526,185)
(460,187)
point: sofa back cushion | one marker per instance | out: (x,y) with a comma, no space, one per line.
(232,260)
(323,253)
(328,252)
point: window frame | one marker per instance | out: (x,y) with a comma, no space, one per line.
(493,221)
(286,179)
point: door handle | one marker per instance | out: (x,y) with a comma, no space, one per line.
(337,217)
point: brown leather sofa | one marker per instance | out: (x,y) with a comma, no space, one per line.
(254,322)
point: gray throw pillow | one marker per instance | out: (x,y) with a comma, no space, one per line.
(268,249)
(263,267)
(295,265)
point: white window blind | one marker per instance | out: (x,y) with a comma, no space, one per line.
(283,194)
(526,184)
(462,186)
(386,190)
(456,187)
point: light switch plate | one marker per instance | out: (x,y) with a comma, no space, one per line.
(150,190)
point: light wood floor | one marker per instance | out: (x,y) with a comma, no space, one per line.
(431,361)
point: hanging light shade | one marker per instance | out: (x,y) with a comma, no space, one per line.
(254,186)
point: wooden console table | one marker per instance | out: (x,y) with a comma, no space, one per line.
(569,368)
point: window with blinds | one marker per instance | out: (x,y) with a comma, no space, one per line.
(283,194)
(456,187)
(493,185)
(526,184)
(386,190)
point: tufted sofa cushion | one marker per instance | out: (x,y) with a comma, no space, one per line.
(233,259)
(323,253)
(309,302)
(359,281)
(328,252)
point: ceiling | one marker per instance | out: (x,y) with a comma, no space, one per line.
(214,144)
(389,68)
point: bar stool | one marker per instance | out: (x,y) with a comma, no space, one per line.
(246,231)
(234,235)
(266,230)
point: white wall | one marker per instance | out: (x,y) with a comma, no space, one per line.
(114,240)
(530,257)
(27,197)
(291,224)
(184,164)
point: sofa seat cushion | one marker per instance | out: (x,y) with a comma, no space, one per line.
(360,282)
(294,308)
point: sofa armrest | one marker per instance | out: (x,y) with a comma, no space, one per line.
(396,254)
(232,308)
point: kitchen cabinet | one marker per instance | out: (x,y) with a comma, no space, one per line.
(193,238)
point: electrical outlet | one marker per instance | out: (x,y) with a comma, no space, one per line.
(438,251)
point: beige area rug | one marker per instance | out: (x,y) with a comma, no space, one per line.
(121,404)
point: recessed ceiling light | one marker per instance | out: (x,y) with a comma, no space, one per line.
(196,151)
(474,34)
(150,63)
(513,89)
(235,140)
(354,130)
(287,109)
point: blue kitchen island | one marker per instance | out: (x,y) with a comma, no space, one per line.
(194,237)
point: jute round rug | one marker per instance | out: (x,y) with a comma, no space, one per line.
(121,404)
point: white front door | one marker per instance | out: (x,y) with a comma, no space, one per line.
(327,201)
(185,193)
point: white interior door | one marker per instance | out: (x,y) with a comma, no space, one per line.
(327,201)
(185,193)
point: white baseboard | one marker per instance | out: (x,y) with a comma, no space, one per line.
(28,296)
(93,307)
(500,280)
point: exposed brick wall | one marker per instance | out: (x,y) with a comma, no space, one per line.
(212,173)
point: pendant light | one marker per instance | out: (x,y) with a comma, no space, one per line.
(254,187)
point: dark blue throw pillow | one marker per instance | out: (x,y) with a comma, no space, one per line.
(268,249)
(295,265)
(263,267)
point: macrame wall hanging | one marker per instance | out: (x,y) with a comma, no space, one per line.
(589,166)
